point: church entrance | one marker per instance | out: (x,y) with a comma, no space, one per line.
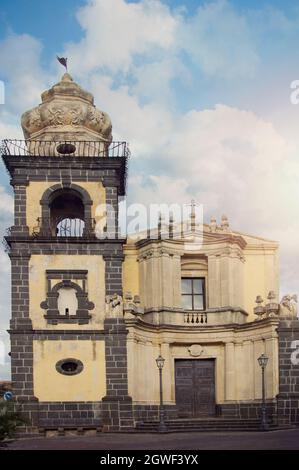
(195,387)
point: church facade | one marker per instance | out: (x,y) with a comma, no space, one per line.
(92,312)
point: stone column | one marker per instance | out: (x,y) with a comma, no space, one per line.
(224,280)
(176,281)
(214,281)
(230,382)
(166,276)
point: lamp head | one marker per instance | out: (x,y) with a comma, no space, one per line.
(160,361)
(263,361)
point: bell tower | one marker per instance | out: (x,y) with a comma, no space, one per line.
(68,348)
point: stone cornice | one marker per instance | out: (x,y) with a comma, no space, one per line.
(215,329)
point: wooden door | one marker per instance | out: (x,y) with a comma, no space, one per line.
(195,387)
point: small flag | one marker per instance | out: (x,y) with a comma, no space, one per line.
(62,61)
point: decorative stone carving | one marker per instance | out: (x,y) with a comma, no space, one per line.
(67,112)
(195,350)
(114,306)
(288,306)
(53,316)
(132,306)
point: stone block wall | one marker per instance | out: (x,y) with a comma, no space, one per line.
(288,398)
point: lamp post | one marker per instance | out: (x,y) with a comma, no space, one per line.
(263,360)
(160,363)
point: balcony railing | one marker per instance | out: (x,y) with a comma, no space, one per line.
(195,318)
(78,148)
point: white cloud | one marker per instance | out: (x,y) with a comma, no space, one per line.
(231,160)
(145,127)
(219,41)
(6,202)
(20,68)
(117,31)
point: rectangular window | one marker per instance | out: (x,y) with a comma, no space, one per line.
(193,293)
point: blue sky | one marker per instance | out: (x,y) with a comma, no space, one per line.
(200,89)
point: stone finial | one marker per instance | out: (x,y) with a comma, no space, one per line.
(272,308)
(271,295)
(159,225)
(259,310)
(225,223)
(171,225)
(259,299)
(193,216)
(213,224)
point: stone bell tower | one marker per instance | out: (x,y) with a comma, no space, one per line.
(68,346)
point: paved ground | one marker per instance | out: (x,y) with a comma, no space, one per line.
(287,439)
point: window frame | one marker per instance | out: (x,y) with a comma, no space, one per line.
(194,294)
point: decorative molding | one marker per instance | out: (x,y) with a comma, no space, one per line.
(66,277)
(195,350)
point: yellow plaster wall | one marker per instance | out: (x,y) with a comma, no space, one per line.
(237,372)
(36,189)
(38,265)
(131,273)
(50,385)
(260,276)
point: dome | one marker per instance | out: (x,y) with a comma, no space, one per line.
(67,113)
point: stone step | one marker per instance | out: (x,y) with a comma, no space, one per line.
(216,424)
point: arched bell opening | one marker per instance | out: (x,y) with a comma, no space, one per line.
(67,215)
(66,212)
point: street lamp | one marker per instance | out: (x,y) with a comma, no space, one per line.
(160,363)
(263,361)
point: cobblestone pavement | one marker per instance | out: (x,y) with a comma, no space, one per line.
(286,439)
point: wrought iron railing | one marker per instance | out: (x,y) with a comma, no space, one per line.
(195,318)
(80,148)
(66,228)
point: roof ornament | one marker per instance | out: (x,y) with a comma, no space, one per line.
(62,61)
(225,224)
(193,216)
(213,224)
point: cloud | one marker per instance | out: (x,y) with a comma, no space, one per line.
(6,202)
(219,40)
(20,57)
(116,32)
(231,160)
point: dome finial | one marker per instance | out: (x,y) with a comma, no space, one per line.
(67,112)
(66,77)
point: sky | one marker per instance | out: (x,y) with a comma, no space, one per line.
(200,89)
